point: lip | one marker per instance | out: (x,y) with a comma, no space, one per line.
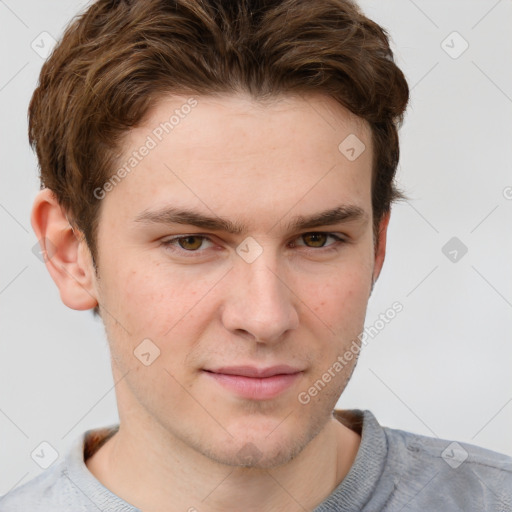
(252,371)
(255,383)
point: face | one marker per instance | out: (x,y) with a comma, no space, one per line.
(213,249)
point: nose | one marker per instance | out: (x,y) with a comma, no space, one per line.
(261,307)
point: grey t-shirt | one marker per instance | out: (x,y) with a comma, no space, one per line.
(393,471)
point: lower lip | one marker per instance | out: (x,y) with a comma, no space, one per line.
(255,388)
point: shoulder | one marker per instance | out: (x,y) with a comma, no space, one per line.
(451,474)
(47,491)
(67,485)
(452,454)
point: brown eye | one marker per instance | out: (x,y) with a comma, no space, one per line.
(190,243)
(319,240)
(315,239)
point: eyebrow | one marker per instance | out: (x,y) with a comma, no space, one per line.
(170,215)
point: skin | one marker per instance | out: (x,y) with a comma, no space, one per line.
(301,302)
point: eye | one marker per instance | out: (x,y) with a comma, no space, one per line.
(194,244)
(189,243)
(319,239)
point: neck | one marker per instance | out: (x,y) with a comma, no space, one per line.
(171,477)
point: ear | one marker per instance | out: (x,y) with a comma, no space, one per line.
(65,253)
(380,246)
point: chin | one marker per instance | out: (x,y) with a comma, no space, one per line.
(262,448)
(251,456)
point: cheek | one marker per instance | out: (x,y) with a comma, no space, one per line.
(341,302)
(155,302)
(145,305)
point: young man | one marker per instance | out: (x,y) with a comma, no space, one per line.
(217,182)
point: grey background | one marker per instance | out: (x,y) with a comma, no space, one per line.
(440,368)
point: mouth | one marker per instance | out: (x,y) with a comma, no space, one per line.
(255,383)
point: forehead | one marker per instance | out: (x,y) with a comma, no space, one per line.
(234,153)
(225,125)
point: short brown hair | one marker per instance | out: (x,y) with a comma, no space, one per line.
(119,57)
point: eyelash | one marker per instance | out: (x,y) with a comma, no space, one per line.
(169,243)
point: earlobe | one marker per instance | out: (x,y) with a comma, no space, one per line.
(380,248)
(66,254)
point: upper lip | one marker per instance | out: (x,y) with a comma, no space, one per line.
(252,371)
